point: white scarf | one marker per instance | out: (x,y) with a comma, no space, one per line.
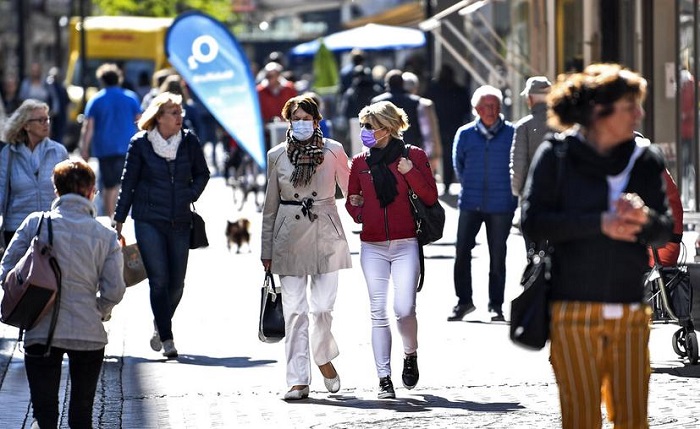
(164,148)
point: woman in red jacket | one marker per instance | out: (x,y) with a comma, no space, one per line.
(378,199)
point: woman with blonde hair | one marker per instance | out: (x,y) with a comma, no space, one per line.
(165,171)
(26,165)
(378,199)
(608,204)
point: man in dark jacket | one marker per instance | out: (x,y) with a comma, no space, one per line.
(529,134)
(481,156)
(408,102)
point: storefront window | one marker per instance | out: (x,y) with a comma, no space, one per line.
(569,38)
(687,152)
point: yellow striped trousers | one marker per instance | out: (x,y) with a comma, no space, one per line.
(600,353)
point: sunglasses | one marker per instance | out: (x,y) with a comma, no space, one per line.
(367,126)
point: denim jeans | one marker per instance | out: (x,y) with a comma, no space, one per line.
(44,377)
(497,230)
(165,249)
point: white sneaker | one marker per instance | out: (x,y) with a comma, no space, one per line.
(156,345)
(169,350)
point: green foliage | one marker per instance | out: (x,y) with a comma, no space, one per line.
(219,9)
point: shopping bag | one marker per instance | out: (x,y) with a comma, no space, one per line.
(271,325)
(134,270)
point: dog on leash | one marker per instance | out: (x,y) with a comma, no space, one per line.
(238,233)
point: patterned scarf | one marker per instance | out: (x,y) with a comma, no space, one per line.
(164,148)
(490,132)
(305,156)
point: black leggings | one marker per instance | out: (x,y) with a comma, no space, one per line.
(44,376)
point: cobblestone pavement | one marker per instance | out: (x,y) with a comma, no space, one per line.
(471,375)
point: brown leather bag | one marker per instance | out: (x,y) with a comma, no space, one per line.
(33,285)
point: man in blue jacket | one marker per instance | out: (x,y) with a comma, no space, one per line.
(481,157)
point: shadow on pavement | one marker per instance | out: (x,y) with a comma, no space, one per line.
(228,362)
(413,404)
(673,368)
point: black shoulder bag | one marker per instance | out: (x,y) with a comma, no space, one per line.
(430,221)
(529,312)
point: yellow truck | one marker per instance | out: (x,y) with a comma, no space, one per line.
(136,44)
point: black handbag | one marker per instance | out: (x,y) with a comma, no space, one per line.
(198,231)
(271,325)
(430,220)
(529,312)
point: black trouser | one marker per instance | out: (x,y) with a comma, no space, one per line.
(7,235)
(44,376)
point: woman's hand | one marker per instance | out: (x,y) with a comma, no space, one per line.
(356,200)
(267,263)
(405,165)
(631,208)
(627,220)
(118,226)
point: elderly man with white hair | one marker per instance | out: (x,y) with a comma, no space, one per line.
(481,156)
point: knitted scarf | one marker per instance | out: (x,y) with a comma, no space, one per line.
(305,156)
(383,179)
(164,148)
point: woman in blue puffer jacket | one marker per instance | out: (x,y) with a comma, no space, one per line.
(26,165)
(164,172)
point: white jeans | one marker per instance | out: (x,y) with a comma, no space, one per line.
(324,288)
(397,259)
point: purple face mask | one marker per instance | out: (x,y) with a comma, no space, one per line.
(367,137)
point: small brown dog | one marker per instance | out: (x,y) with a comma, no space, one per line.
(237,232)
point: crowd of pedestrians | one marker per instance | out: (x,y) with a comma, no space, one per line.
(152,167)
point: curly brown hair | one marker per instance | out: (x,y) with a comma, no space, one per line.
(574,96)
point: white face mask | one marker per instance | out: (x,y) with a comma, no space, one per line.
(302,130)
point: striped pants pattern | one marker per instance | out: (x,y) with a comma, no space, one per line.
(600,353)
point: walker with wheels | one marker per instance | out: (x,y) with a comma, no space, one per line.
(670,295)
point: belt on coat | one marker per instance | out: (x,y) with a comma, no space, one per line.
(306,204)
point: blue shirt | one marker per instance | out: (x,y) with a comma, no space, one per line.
(114,111)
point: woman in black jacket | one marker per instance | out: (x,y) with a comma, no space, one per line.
(165,171)
(596,193)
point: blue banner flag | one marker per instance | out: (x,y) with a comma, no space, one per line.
(215,67)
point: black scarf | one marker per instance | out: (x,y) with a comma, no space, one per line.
(383,179)
(587,160)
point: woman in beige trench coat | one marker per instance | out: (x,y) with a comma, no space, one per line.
(303,239)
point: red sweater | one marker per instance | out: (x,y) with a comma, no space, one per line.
(394,221)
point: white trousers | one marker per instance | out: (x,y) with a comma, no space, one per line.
(324,288)
(398,260)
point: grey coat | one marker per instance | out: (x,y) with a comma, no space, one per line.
(296,245)
(529,134)
(92,268)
